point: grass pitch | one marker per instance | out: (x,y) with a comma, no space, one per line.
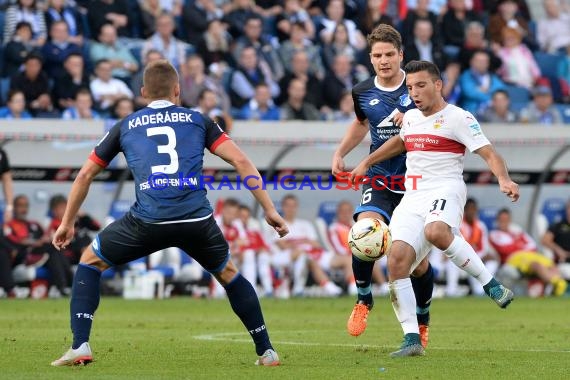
(184,338)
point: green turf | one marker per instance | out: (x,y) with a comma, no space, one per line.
(185,338)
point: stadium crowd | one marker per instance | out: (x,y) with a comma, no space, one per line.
(278,60)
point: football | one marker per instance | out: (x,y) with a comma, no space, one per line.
(369,239)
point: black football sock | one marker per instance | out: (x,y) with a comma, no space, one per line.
(85,296)
(362,271)
(423,289)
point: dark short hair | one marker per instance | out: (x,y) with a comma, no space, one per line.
(231,202)
(417,66)
(289,197)
(57,200)
(470,201)
(504,210)
(34,55)
(203,93)
(23,24)
(500,91)
(159,79)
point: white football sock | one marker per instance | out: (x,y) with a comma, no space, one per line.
(463,255)
(248,267)
(492,266)
(404,304)
(264,269)
(300,274)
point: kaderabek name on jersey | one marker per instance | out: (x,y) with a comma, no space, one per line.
(159,118)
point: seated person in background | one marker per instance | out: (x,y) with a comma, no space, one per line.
(557,238)
(58,10)
(57,49)
(478,83)
(123,108)
(517,249)
(338,81)
(542,109)
(475,40)
(107,90)
(122,61)
(17,49)
(137,79)
(82,107)
(261,107)
(301,250)
(338,237)
(235,234)
(423,46)
(296,107)
(25,10)
(564,69)
(15,106)
(73,79)
(256,243)
(84,225)
(194,79)
(299,43)
(173,49)
(27,239)
(34,83)
(498,111)
(299,68)
(508,16)
(345,110)
(519,66)
(475,233)
(553,31)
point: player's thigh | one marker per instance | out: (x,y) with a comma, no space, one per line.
(407,226)
(204,242)
(381,202)
(127,239)
(446,205)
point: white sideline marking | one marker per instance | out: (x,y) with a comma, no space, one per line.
(224,338)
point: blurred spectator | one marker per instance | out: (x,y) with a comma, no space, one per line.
(337,82)
(420,12)
(18,48)
(371,15)
(34,83)
(207,103)
(57,49)
(58,10)
(237,15)
(553,32)
(478,83)
(107,90)
(137,79)
(82,108)
(261,107)
(519,66)
(475,233)
(438,7)
(301,249)
(74,77)
(122,108)
(300,43)
(250,72)
(195,80)
(296,107)
(293,13)
(345,110)
(216,44)
(15,107)
(27,238)
(557,238)
(339,45)
(151,9)
(299,69)
(542,109)
(257,243)
(196,16)
(424,47)
(474,41)
(453,26)
(84,226)
(164,41)
(499,110)
(25,10)
(115,12)
(122,61)
(507,16)
(335,16)
(517,249)
(564,67)
(253,36)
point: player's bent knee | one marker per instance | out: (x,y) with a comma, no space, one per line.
(90,258)
(421,269)
(226,275)
(439,234)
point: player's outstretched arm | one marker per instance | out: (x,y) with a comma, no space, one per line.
(233,155)
(391,148)
(62,237)
(499,169)
(353,136)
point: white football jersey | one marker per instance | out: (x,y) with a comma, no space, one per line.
(436,145)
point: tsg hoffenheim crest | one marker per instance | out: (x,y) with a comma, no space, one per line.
(405,100)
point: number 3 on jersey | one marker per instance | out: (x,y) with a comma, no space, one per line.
(169,148)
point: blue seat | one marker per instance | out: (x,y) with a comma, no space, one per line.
(488,215)
(548,63)
(4,89)
(518,94)
(327,211)
(554,209)
(565,112)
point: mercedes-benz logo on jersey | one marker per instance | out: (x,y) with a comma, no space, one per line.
(373,102)
(405,100)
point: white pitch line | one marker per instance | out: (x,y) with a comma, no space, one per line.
(224,338)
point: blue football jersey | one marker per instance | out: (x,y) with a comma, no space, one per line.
(164,148)
(378,105)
